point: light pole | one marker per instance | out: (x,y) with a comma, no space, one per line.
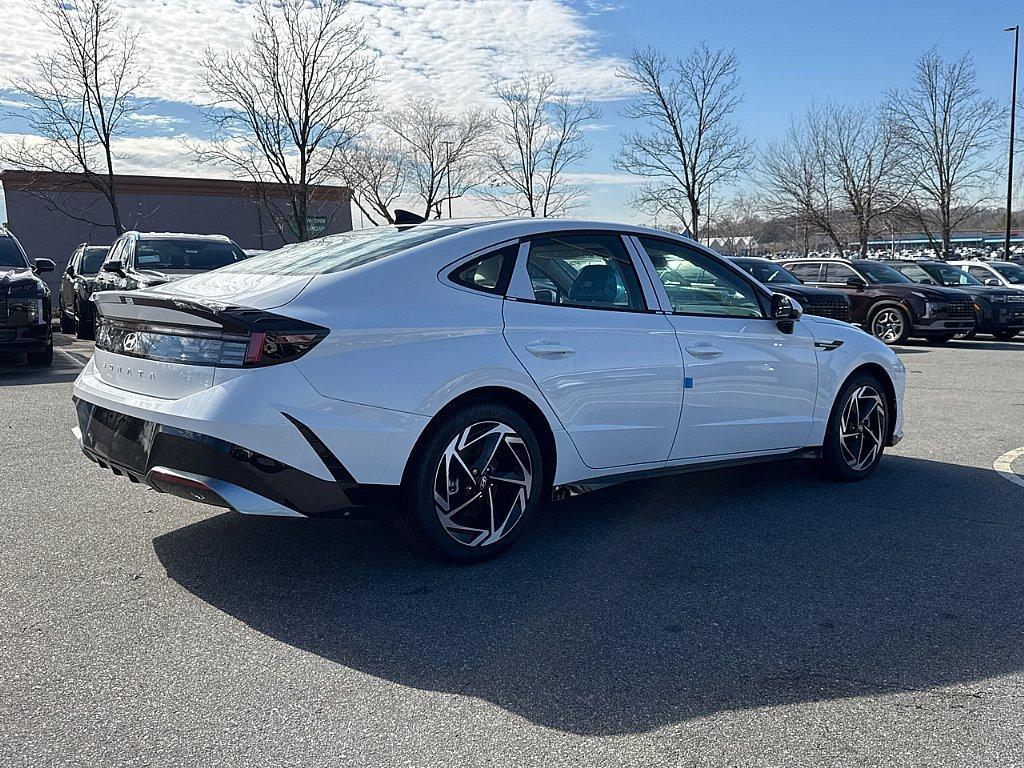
(448,173)
(1013,119)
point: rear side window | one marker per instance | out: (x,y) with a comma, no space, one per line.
(805,272)
(489,273)
(592,271)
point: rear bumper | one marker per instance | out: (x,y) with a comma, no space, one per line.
(214,471)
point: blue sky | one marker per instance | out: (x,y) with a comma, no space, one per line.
(789,53)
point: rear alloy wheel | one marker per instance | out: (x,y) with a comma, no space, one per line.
(472,484)
(1005,335)
(857,431)
(890,325)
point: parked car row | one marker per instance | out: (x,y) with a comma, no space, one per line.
(25,305)
(898,299)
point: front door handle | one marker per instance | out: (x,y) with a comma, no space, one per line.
(704,350)
(549,349)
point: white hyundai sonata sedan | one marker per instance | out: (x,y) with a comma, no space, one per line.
(458,373)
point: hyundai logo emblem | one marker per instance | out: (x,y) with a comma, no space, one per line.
(130,342)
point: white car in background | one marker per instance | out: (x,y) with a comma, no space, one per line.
(459,372)
(1008,274)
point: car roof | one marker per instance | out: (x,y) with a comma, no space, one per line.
(179,236)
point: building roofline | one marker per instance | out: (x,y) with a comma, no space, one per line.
(14,180)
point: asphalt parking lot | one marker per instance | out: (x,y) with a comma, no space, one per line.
(748,617)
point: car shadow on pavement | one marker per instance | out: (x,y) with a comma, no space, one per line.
(654,602)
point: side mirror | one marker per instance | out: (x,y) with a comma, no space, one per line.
(856,282)
(114,266)
(785,311)
(43,265)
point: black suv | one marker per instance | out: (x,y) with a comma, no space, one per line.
(25,307)
(145,259)
(76,286)
(886,303)
(998,310)
(815,301)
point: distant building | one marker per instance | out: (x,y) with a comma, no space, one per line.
(738,245)
(915,240)
(52,213)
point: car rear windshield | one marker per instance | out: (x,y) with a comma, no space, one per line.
(10,254)
(92,259)
(335,253)
(881,273)
(767,272)
(185,254)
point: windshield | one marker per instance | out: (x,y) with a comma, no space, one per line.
(949,275)
(92,259)
(917,273)
(881,273)
(767,272)
(185,254)
(339,252)
(1013,273)
(10,254)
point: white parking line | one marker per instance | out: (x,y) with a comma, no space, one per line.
(1004,466)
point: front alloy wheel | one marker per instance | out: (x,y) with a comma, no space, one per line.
(889,325)
(862,428)
(857,431)
(471,484)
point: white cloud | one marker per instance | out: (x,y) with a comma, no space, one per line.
(603,179)
(155,120)
(452,49)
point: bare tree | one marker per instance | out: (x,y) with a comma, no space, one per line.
(842,164)
(796,179)
(948,129)
(378,176)
(77,101)
(442,151)
(286,106)
(538,135)
(691,144)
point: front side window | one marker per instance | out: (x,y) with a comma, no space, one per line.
(768,273)
(981,273)
(807,273)
(489,273)
(1013,273)
(592,271)
(91,260)
(881,273)
(839,274)
(169,255)
(698,285)
(949,275)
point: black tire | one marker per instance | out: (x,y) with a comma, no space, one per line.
(86,326)
(41,356)
(940,338)
(1005,335)
(419,517)
(67,325)
(889,324)
(835,463)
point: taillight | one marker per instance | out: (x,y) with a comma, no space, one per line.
(199,346)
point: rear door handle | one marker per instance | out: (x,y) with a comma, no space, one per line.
(549,349)
(704,350)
